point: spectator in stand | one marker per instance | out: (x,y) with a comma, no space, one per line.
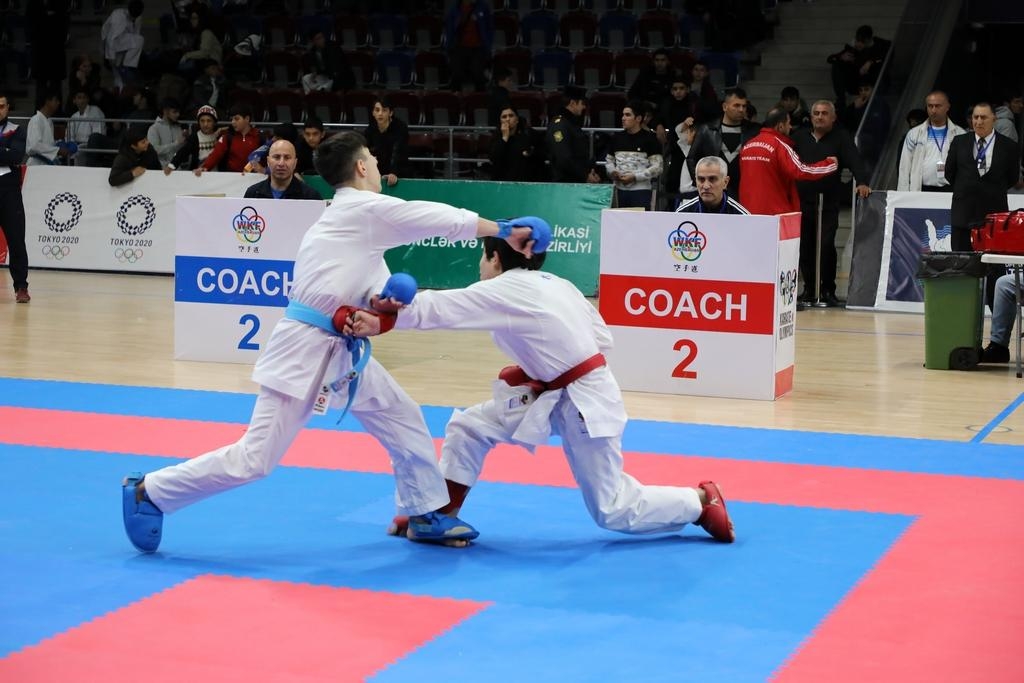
(771,168)
(653,83)
(700,85)
(87,123)
(854,63)
(499,98)
(40,147)
(166,136)
(923,155)
(232,150)
(823,141)
(206,45)
(325,66)
(469,34)
(312,136)
(210,87)
(48,24)
(871,117)
(12,205)
(123,42)
(143,106)
(1017,108)
(677,124)
(512,149)
(799,114)
(725,136)
(567,144)
(712,196)
(634,160)
(84,77)
(387,138)
(198,144)
(134,158)
(281,183)
(1005,123)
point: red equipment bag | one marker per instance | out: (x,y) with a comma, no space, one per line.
(1001,233)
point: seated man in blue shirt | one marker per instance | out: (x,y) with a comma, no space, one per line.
(711,176)
(1004,313)
(282,183)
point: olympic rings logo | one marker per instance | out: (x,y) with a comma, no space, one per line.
(248,225)
(53,251)
(128,255)
(687,245)
(147,219)
(58,201)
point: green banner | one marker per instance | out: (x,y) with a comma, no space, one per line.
(573,210)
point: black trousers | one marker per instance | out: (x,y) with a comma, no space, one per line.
(12,221)
(809,243)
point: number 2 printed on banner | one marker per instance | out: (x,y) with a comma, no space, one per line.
(246,344)
(691,354)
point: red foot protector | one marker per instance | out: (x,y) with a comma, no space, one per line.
(222,628)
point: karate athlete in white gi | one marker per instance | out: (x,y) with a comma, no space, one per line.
(340,263)
(554,334)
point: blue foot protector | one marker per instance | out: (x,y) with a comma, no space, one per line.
(435,527)
(143,521)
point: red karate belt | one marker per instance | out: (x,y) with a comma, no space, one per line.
(514,376)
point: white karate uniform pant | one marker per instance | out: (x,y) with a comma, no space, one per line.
(127,49)
(311,82)
(614,499)
(396,422)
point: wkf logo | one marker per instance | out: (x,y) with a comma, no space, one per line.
(248,225)
(687,242)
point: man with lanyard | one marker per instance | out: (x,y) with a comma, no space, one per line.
(824,140)
(281,183)
(308,363)
(712,197)
(725,137)
(12,207)
(923,161)
(560,384)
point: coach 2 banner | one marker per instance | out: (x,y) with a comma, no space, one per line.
(574,212)
(233,271)
(701,304)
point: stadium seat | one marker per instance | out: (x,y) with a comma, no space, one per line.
(325,105)
(441,108)
(475,109)
(506,30)
(538,31)
(395,69)
(405,104)
(351,31)
(279,32)
(628,66)
(616,30)
(516,60)
(364,67)
(531,106)
(656,30)
(577,30)
(387,31)
(359,106)
(284,105)
(592,69)
(605,109)
(551,69)
(282,69)
(425,32)
(432,70)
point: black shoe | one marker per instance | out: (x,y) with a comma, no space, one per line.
(831,300)
(800,305)
(995,353)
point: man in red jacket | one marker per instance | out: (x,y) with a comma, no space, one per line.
(234,146)
(770,168)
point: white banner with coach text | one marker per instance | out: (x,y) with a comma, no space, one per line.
(232,273)
(701,304)
(74,219)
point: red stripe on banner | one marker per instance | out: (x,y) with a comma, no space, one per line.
(687,304)
(915,616)
(301,632)
(784,381)
(789,226)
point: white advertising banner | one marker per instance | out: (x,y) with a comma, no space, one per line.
(233,267)
(75,220)
(916,223)
(701,304)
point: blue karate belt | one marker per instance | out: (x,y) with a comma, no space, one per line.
(359,347)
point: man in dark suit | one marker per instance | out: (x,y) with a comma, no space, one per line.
(980,168)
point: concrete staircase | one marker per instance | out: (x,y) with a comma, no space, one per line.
(806,34)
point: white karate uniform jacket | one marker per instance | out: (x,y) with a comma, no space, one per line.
(341,263)
(546,326)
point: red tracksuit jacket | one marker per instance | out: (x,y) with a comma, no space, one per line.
(770,168)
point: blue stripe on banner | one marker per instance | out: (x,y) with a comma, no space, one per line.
(245,282)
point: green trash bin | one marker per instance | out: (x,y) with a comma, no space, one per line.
(953,309)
